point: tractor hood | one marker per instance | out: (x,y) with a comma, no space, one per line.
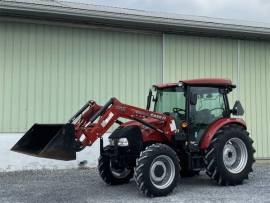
(152,121)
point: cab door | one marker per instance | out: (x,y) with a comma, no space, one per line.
(211,104)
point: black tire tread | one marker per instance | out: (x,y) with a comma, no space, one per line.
(139,175)
(105,172)
(210,158)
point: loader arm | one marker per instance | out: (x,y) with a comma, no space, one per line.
(96,120)
(62,141)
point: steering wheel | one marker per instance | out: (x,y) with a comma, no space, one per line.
(177,110)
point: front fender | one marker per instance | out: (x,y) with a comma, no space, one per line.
(214,127)
(132,133)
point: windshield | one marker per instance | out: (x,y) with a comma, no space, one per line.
(170,98)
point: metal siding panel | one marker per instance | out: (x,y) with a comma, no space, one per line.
(254,69)
(9,66)
(262,90)
(189,57)
(267,95)
(2,69)
(48,72)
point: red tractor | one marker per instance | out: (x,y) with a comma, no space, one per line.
(189,129)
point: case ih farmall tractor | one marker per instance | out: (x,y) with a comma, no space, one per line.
(189,129)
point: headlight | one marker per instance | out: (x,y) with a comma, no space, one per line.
(123,142)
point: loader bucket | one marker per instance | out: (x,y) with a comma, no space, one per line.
(53,141)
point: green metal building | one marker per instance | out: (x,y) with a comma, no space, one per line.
(54,56)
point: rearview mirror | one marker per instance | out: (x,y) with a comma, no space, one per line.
(193,99)
(237,109)
(149,97)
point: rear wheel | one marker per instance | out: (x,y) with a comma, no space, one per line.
(230,156)
(111,175)
(157,170)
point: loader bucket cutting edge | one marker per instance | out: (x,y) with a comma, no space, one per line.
(53,141)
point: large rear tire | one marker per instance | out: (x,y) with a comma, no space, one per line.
(110,175)
(230,156)
(157,170)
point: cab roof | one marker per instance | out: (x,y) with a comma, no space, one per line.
(215,82)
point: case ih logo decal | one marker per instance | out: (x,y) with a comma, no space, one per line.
(159,117)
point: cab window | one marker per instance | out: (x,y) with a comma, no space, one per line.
(170,98)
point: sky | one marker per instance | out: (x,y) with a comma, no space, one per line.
(250,10)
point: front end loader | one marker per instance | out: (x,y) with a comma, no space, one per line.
(189,128)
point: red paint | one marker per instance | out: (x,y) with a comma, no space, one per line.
(148,120)
(165,85)
(149,134)
(208,81)
(118,110)
(203,81)
(214,127)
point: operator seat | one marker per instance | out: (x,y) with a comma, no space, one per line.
(203,116)
(202,119)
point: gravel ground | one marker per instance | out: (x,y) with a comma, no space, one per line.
(77,185)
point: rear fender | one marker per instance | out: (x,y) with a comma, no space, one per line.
(214,127)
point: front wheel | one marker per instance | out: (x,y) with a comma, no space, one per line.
(157,170)
(111,175)
(230,156)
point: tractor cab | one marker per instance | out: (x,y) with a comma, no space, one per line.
(194,104)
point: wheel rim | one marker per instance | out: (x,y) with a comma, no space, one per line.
(235,155)
(119,173)
(162,171)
